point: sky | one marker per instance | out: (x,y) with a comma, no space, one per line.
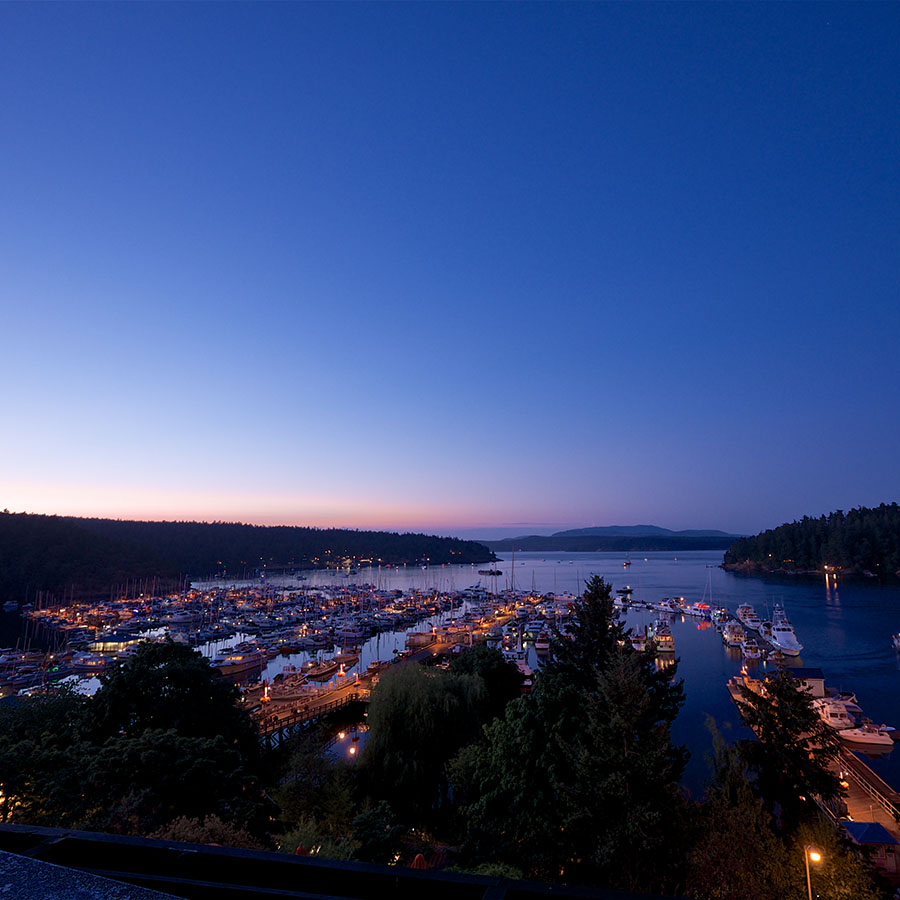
(449,267)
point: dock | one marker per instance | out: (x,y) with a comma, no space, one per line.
(867,796)
(281,719)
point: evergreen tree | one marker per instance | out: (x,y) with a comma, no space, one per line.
(590,636)
(579,780)
(736,854)
(790,757)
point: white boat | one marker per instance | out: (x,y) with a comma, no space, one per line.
(867,734)
(748,617)
(765,630)
(750,649)
(833,713)
(240,661)
(784,639)
(895,640)
(639,640)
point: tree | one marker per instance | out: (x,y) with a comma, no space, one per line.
(417,721)
(511,784)
(736,853)
(42,759)
(790,757)
(841,875)
(579,780)
(139,784)
(170,686)
(591,635)
(629,806)
(502,680)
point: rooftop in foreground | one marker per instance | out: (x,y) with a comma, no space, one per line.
(203,872)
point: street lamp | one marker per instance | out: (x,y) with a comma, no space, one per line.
(810,853)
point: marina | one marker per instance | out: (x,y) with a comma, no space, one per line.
(290,623)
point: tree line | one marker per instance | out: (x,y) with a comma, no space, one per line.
(63,554)
(861,541)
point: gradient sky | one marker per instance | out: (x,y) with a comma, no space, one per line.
(446,266)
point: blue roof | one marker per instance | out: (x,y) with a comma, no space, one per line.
(869,833)
(807,673)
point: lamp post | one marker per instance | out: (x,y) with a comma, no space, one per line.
(810,853)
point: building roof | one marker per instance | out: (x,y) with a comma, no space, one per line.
(868,833)
(806,674)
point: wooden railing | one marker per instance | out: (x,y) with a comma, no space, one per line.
(271,724)
(878,790)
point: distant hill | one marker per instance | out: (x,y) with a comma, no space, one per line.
(642,531)
(591,543)
(72,556)
(863,541)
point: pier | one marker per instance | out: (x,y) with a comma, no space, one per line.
(867,796)
(278,720)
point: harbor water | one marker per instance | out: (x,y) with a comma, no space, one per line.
(845,628)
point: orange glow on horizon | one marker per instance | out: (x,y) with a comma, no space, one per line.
(138,503)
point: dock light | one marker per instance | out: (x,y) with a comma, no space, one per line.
(810,853)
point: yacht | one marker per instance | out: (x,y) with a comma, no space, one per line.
(733,634)
(662,634)
(748,617)
(240,661)
(895,640)
(784,639)
(750,649)
(833,713)
(867,734)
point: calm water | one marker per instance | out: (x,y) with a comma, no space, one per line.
(845,629)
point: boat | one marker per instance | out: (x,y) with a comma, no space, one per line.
(10,605)
(662,635)
(639,641)
(748,617)
(322,671)
(542,643)
(784,639)
(833,713)
(765,630)
(895,640)
(240,661)
(494,572)
(733,634)
(347,659)
(869,734)
(750,649)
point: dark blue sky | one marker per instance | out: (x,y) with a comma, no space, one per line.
(443,266)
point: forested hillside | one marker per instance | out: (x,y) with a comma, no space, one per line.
(60,555)
(864,541)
